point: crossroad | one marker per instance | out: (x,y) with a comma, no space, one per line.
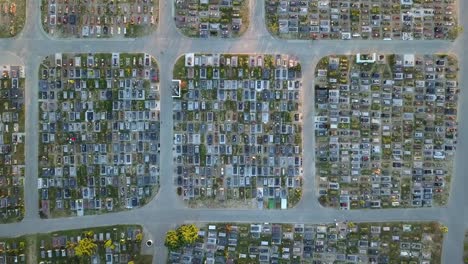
(166,44)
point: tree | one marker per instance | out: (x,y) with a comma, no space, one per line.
(443,229)
(85,247)
(323,200)
(351,225)
(273,27)
(184,235)
(139,237)
(109,244)
(188,234)
(70,245)
(172,240)
(89,234)
(454,32)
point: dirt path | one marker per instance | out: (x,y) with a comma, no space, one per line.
(31,244)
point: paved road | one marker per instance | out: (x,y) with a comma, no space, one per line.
(166,44)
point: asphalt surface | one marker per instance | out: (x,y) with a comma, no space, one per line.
(166,45)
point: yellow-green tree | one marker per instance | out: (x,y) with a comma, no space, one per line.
(89,234)
(70,245)
(139,237)
(443,229)
(172,240)
(85,247)
(109,244)
(188,234)
(273,27)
